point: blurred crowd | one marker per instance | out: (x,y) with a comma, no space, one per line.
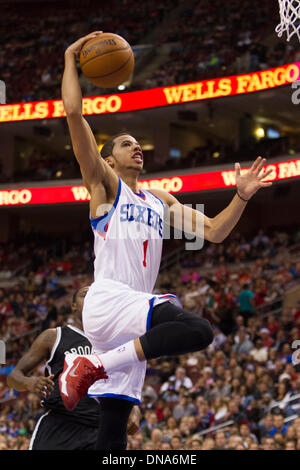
(42,165)
(210,40)
(218,39)
(31,57)
(246,381)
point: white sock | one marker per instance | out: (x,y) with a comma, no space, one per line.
(119,357)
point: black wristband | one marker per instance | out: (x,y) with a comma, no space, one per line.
(245,200)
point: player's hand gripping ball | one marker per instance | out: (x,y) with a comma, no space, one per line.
(107,60)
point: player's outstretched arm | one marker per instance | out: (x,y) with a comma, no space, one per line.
(93,168)
(39,351)
(247,185)
(185,218)
(216,229)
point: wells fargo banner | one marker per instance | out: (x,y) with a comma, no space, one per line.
(173,184)
(156,97)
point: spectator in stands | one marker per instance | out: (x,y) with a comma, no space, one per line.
(246,300)
(184,407)
(196,444)
(178,380)
(208,444)
(220,441)
(149,425)
(244,344)
(268,443)
(290,445)
(259,352)
(245,432)
(279,426)
(176,443)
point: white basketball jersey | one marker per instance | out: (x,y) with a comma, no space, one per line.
(128,240)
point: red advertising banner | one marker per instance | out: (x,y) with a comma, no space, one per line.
(173,184)
(156,97)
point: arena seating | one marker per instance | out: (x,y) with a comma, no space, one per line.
(212,40)
(241,393)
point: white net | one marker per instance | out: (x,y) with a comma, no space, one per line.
(289,11)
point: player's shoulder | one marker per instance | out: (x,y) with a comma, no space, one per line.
(48,337)
(164,196)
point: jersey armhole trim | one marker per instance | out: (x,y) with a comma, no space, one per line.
(107,217)
(156,197)
(57,341)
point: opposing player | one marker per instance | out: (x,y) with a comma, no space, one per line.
(124,321)
(59,429)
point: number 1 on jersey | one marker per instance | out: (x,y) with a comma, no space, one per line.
(145,245)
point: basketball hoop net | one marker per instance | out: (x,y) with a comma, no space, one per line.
(289,11)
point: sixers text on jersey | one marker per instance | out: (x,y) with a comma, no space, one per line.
(141,214)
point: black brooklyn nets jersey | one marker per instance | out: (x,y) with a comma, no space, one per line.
(70,340)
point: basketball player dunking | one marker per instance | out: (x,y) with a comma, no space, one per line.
(57,428)
(126,324)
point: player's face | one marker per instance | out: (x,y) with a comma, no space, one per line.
(127,153)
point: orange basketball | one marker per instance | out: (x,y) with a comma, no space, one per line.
(107,60)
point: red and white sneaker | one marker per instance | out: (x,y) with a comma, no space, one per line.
(79,373)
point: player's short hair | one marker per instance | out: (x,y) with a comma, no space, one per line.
(74,298)
(108,147)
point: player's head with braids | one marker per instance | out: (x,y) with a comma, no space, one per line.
(77,301)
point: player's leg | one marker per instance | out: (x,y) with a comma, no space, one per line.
(114,415)
(54,431)
(174,331)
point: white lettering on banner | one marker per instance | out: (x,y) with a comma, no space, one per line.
(288,169)
(229,177)
(167,184)
(273,175)
(15,196)
(187,183)
(101,104)
(279,171)
(80,193)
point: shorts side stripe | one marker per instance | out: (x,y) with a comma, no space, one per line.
(149,316)
(115,395)
(36,430)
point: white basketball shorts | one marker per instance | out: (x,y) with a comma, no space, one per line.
(114,314)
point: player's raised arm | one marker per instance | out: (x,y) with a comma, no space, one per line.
(217,228)
(93,168)
(39,351)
